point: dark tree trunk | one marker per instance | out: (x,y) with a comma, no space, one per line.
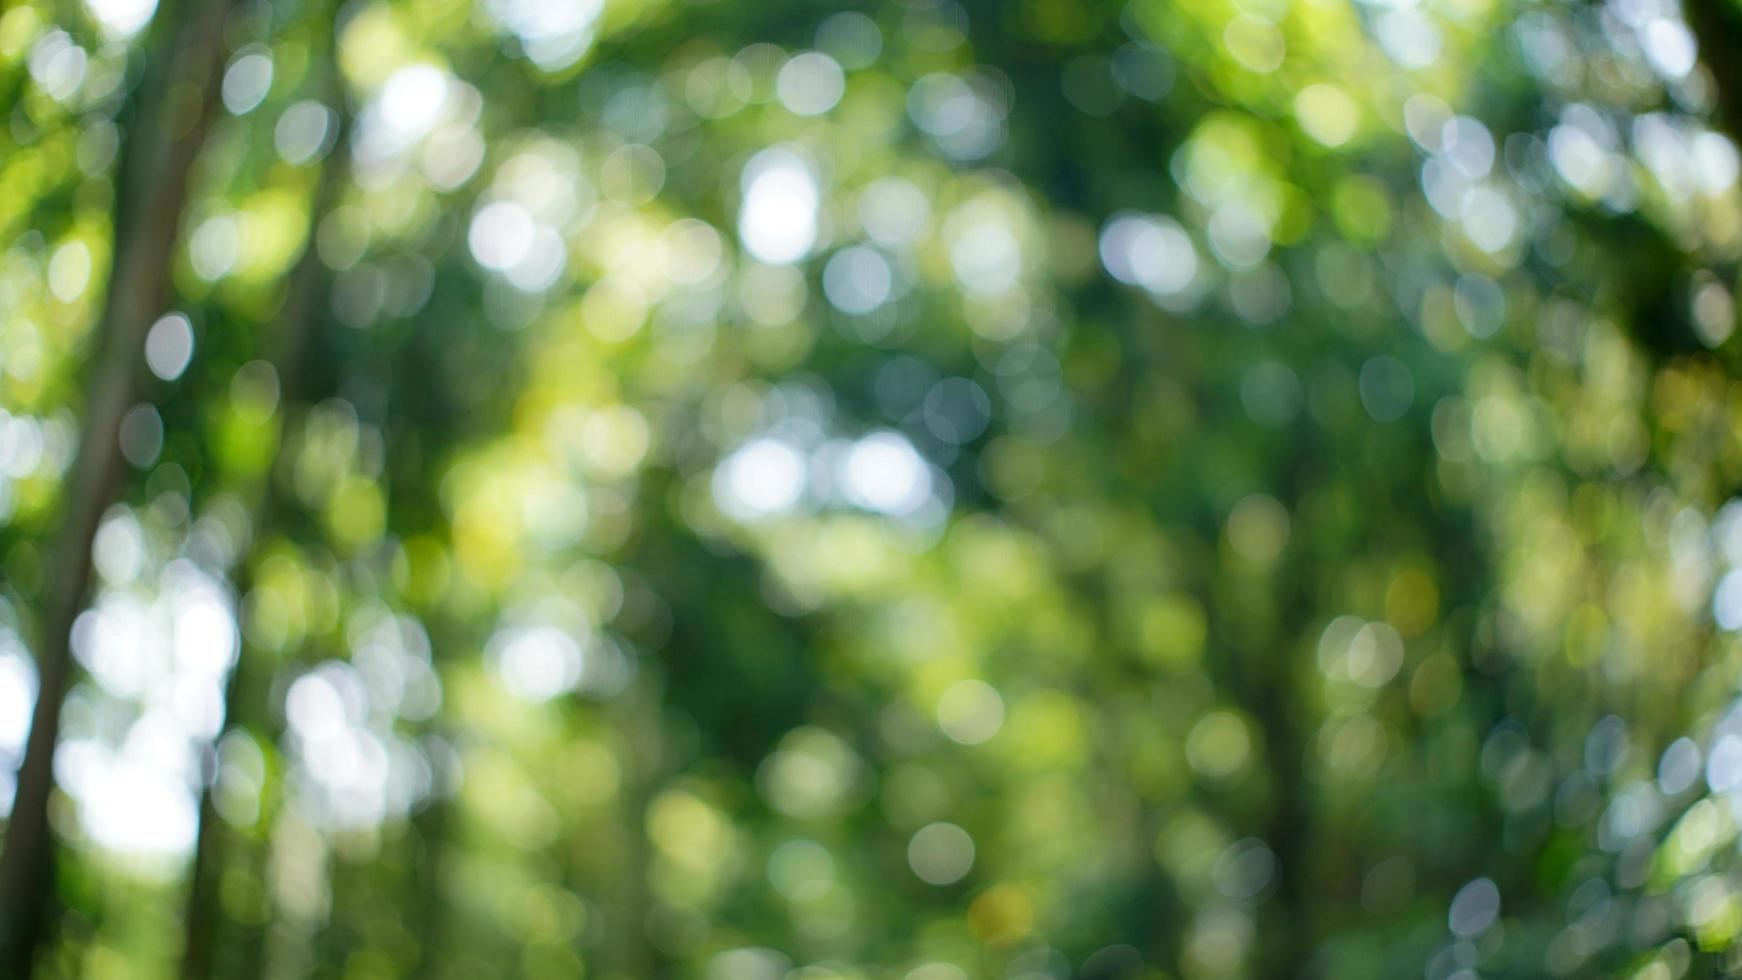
(1718,24)
(638,725)
(297,322)
(163,141)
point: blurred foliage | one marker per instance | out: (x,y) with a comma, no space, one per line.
(1029,489)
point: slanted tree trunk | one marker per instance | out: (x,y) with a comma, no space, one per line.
(174,107)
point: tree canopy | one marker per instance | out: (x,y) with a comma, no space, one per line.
(929,490)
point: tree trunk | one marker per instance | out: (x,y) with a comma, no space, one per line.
(639,728)
(1717,24)
(165,138)
(297,324)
